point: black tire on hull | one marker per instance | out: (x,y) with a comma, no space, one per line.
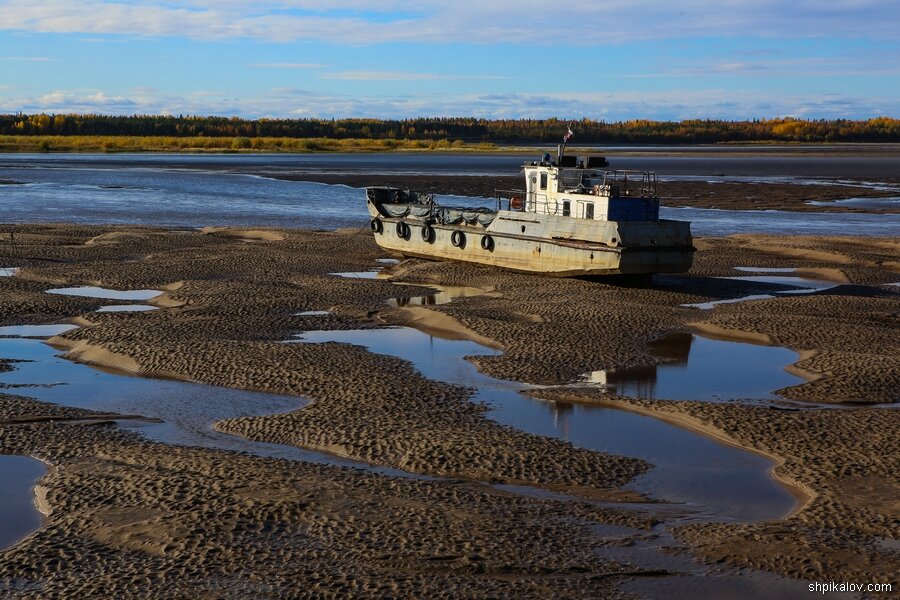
(458,239)
(428,234)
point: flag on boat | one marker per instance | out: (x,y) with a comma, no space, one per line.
(569,134)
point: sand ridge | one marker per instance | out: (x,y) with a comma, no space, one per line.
(238,303)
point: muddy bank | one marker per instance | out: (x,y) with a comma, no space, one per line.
(843,463)
(697,194)
(161,514)
(130,519)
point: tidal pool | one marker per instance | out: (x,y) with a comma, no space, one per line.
(127,308)
(700,368)
(176,412)
(18,514)
(786,285)
(8,271)
(37,331)
(869,203)
(719,481)
(88,291)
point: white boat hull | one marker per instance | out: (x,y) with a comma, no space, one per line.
(545,245)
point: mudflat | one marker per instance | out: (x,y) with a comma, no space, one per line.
(128,517)
(725,195)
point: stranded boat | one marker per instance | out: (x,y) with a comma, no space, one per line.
(574,218)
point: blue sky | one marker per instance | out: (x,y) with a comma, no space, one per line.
(606,59)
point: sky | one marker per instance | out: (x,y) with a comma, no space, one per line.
(601,59)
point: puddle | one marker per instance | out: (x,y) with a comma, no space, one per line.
(188,410)
(8,271)
(105,293)
(312,313)
(388,261)
(721,481)
(766,269)
(372,274)
(37,331)
(18,514)
(444,295)
(801,285)
(870,203)
(705,369)
(804,285)
(127,308)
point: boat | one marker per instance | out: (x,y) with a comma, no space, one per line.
(574,218)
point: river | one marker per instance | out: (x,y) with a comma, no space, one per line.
(241,190)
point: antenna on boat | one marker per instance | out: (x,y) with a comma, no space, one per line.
(561,150)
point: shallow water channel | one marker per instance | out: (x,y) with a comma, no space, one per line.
(711,480)
(773,285)
(717,480)
(18,475)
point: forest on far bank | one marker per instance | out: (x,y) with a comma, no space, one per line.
(458,129)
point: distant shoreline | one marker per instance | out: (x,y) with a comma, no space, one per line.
(84,144)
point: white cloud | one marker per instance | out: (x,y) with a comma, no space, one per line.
(484,21)
(295,103)
(401,76)
(382,76)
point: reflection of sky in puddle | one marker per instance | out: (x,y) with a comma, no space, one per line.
(802,285)
(312,313)
(693,469)
(715,222)
(106,294)
(127,308)
(189,409)
(8,271)
(766,269)
(444,295)
(372,274)
(18,515)
(871,203)
(704,369)
(38,331)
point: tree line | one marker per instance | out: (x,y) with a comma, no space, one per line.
(469,130)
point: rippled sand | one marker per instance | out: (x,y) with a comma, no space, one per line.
(131,518)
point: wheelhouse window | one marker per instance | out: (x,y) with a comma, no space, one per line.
(543,181)
(589,210)
(567,208)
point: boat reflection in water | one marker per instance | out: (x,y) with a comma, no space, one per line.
(699,368)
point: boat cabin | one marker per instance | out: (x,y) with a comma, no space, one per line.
(579,187)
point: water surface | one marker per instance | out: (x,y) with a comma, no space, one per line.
(38,331)
(193,191)
(700,368)
(127,308)
(18,514)
(794,285)
(88,291)
(718,480)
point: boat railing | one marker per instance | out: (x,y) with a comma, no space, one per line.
(612,183)
(522,201)
(513,200)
